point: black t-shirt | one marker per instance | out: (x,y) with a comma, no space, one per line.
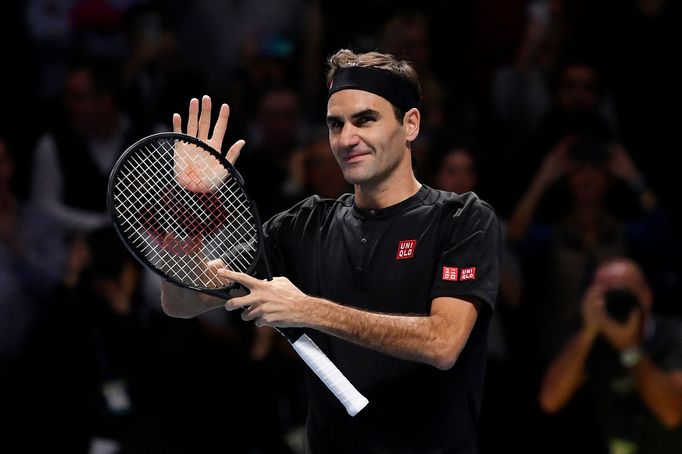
(393,260)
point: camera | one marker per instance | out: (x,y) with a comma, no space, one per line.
(619,303)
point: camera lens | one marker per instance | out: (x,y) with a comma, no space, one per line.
(619,303)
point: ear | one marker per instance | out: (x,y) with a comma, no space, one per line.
(411,122)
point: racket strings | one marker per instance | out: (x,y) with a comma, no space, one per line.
(179,230)
(178,210)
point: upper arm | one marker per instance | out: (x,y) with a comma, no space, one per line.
(46,182)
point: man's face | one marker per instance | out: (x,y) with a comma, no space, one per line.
(624,275)
(456,173)
(80,99)
(365,137)
(578,89)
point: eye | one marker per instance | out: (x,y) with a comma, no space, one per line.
(365,119)
(334,125)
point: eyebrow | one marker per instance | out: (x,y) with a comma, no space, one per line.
(355,116)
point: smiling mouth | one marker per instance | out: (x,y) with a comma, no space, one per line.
(354,157)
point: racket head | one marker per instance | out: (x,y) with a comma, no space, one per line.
(179,205)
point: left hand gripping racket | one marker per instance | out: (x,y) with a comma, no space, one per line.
(180,206)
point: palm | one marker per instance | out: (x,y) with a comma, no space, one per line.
(197,170)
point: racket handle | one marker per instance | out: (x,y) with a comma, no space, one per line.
(330,375)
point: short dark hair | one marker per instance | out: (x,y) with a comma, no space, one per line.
(346,58)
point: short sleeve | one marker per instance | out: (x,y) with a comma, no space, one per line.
(469,265)
(286,227)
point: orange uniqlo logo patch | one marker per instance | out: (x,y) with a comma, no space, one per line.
(468,274)
(406,249)
(450,273)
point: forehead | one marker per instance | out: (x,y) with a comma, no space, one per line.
(579,73)
(459,159)
(350,101)
(617,274)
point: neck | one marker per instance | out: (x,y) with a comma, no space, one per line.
(386,193)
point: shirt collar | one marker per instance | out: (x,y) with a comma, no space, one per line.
(393,210)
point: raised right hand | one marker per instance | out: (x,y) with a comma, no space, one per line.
(198,171)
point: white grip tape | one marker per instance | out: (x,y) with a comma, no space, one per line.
(330,375)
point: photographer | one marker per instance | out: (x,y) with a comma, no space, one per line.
(629,360)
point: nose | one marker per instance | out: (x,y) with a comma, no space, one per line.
(348,136)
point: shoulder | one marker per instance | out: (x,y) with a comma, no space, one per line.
(668,329)
(311,211)
(666,345)
(468,200)
(468,208)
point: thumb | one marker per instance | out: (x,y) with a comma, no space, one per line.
(234,151)
(634,319)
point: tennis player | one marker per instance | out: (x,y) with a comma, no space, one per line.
(395,282)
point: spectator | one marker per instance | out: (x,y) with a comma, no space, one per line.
(72,161)
(275,135)
(152,76)
(458,172)
(85,360)
(628,358)
(635,41)
(577,110)
(406,34)
(520,90)
(31,257)
(320,173)
(234,30)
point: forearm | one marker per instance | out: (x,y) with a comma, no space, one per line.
(524,212)
(566,373)
(434,339)
(660,391)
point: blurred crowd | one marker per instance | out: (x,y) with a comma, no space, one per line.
(559,113)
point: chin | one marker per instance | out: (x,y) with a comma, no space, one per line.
(354,177)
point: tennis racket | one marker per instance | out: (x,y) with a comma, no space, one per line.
(181,209)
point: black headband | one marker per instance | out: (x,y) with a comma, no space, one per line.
(389,86)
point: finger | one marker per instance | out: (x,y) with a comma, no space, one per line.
(247,281)
(257,314)
(204,118)
(240,302)
(216,263)
(193,117)
(234,151)
(177,123)
(634,318)
(212,267)
(221,124)
(250,313)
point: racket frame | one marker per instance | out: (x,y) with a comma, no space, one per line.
(221,292)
